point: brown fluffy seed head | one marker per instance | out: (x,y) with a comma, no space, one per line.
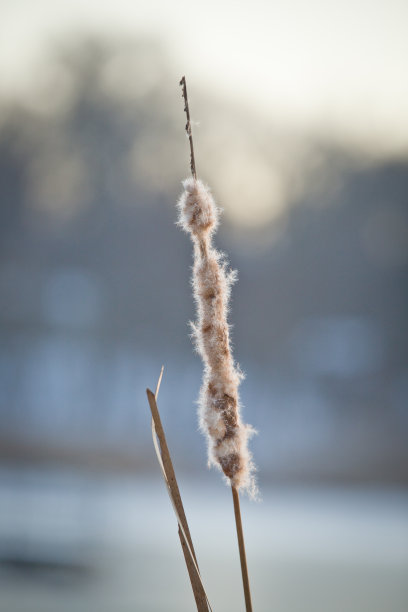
(198,213)
(219,405)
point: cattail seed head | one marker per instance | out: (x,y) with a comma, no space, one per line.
(198,213)
(219,405)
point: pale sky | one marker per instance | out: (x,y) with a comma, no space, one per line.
(328,70)
(321,66)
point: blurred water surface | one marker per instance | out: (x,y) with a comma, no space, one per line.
(70,541)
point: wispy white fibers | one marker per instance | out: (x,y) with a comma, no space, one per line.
(219,410)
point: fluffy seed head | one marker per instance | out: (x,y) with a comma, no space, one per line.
(198,213)
(219,405)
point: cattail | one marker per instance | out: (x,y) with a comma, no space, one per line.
(219,404)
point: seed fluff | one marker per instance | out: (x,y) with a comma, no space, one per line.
(219,403)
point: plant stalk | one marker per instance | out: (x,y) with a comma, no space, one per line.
(241,546)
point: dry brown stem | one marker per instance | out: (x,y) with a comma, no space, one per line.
(174,493)
(241,546)
(188,127)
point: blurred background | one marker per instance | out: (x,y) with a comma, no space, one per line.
(301,129)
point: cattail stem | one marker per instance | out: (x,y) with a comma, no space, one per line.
(241,546)
(219,402)
(188,127)
(200,595)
